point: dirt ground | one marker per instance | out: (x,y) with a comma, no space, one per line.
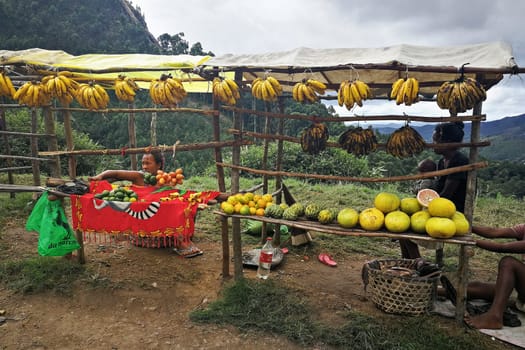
(152,291)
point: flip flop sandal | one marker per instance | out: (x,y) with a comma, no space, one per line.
(188,252)
(327,260)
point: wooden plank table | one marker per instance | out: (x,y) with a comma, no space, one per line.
(465,242)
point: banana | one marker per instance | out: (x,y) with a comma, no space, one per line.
(355,94)
(400,98)
(233,87)
(340,95)
(396,86)
(6,85)
(415,90)
(276,85)
(347,93)
(364,89)
(309,93)
(295,93)
(407,93)
(317,86)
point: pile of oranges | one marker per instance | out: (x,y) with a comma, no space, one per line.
(172,178)
(247,204)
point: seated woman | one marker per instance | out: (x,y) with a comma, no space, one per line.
(151,163)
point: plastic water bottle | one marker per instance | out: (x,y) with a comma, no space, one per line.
(265,259)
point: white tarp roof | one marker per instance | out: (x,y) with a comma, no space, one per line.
(378,66)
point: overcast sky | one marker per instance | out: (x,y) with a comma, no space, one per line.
(245,26)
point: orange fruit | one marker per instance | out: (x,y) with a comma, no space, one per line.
(259,212)
(227,208)
(253,210)
(178,171)
(425,196)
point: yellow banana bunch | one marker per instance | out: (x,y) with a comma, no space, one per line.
(405,142)
(358,141)
(92,96)
(32,94)
(405,91)
(6,85)
(460,95)
(60,86)
(267,89)
(308,90)
(125,88)
(226,90)
(353,92)
(167,91)
(314,137)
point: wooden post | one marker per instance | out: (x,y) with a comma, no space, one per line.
(80,251)
(279,167)
(9,161)
(264,164)
(132,135)
(68,132)
(34,147)
(153,128)
(52,143)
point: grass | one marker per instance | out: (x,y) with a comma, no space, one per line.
(270,306)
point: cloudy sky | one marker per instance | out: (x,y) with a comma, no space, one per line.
(245,27)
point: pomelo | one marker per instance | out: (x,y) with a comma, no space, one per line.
(441,207)
(418,221)
(397,221)
(425,196)
(437,227)
(462,224)
(371,219)
(387,202)
(410,205)
(347,217)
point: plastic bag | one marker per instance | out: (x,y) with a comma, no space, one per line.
(56,237)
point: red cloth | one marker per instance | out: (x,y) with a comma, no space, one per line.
(149,216)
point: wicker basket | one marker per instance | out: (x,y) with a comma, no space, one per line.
(403,294)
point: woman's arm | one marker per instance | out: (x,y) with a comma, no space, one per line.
(514,247)
(495,232)
(136,177)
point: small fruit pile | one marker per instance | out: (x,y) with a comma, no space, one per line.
(118,194)
(247,204)
(162,178)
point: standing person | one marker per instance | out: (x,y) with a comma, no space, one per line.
(425,166)
(151,163)
(452,186)
(511,275)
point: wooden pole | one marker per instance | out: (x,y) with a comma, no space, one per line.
(235,186)
(132,134)
(70,145)
(34,148)
(9,162)
(52,143)
(264,161)
(279,167)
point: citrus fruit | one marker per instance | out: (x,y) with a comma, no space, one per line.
(418,221)
(259,212)
(371,219)
(245,210)
(347,217)
(441,207)
(410,205)
(387,202)
(425,196)
(397,221)
(462,224)
(437,227)
(227,208)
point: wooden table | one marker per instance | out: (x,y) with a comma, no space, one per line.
(465,242)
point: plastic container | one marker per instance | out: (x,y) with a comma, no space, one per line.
(265,259)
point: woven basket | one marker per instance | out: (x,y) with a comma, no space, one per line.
(397,294)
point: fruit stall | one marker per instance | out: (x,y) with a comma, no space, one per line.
(456,78)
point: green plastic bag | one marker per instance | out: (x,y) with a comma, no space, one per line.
(56,237)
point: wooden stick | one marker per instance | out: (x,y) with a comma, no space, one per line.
(162,148)
(462,168)
(208,112)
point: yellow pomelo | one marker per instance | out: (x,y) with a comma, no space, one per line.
(440,227)
(410,205)
(397,221)
(245,210)
(462,224)
(227,208)
(418,221)
(425,196)
(387,202)
(347,217)
(441,207)
(371,219)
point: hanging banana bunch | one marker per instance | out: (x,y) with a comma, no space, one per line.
(460,95)
(6,85)
(61,86)
(226,90)
(125,88)
(358,141)
(92,96)
(313,138)
(405,142)
(308,90)
(405,91)
(32,94)
(267,89)
(351,93)
(167,91)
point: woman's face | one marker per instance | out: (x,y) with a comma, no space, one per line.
(149,165)
(436,138)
